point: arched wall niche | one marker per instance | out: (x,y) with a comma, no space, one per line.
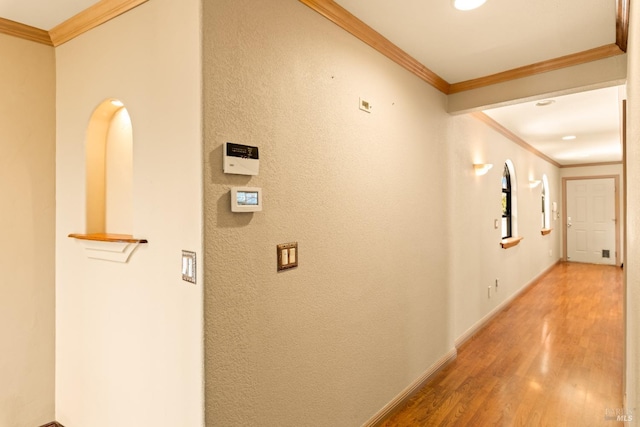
(109,184)
(109,170)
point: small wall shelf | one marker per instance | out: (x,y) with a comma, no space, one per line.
(510,242)
(109,247)
(107,237)
(545,231)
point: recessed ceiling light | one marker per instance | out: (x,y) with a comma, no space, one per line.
(467,4)
(544,102)
(568,137)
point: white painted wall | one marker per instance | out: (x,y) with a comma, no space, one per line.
(129,336)
(477,259)
(395,233)
(27,224)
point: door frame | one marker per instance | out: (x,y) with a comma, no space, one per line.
(616,198)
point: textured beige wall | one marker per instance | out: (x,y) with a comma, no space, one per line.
(129,336)
(364,195)
(27,216)
(631,266)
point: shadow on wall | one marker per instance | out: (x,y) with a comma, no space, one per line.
(224,216)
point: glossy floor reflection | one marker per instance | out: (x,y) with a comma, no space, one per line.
(552,358)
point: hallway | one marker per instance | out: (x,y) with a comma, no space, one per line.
(553,357)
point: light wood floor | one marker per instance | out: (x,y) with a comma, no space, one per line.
(552,358)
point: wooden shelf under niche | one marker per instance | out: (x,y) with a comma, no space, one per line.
(108,246)
(108,237)
(510,242)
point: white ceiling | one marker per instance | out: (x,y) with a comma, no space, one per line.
(43,14)
(500,35)
(503,35)
(593,117)
(458,46)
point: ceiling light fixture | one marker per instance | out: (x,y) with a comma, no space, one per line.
(467,4)
(544,102)
(116,103)
(568,137)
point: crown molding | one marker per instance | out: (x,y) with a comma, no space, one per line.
(348,22)
(579,58)
(84,21)
(90,18)
(583,165)
(513,137)
(521,142)
(344,19)
(106,10)
(16,29)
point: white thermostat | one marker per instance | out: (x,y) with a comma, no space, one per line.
(240,159)
(246,199)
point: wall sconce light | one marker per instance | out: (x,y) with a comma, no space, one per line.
(534,183)
(467,4)
(482,168)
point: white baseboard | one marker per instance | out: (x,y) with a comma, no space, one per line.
(406,394)
(482,322)
(401,398)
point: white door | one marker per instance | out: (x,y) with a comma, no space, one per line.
(591,221)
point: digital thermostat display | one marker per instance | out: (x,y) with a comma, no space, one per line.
(246,199)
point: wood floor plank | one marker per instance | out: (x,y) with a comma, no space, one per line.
(552,358)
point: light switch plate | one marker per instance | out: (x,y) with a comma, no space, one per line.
(287,255)
(189,266)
